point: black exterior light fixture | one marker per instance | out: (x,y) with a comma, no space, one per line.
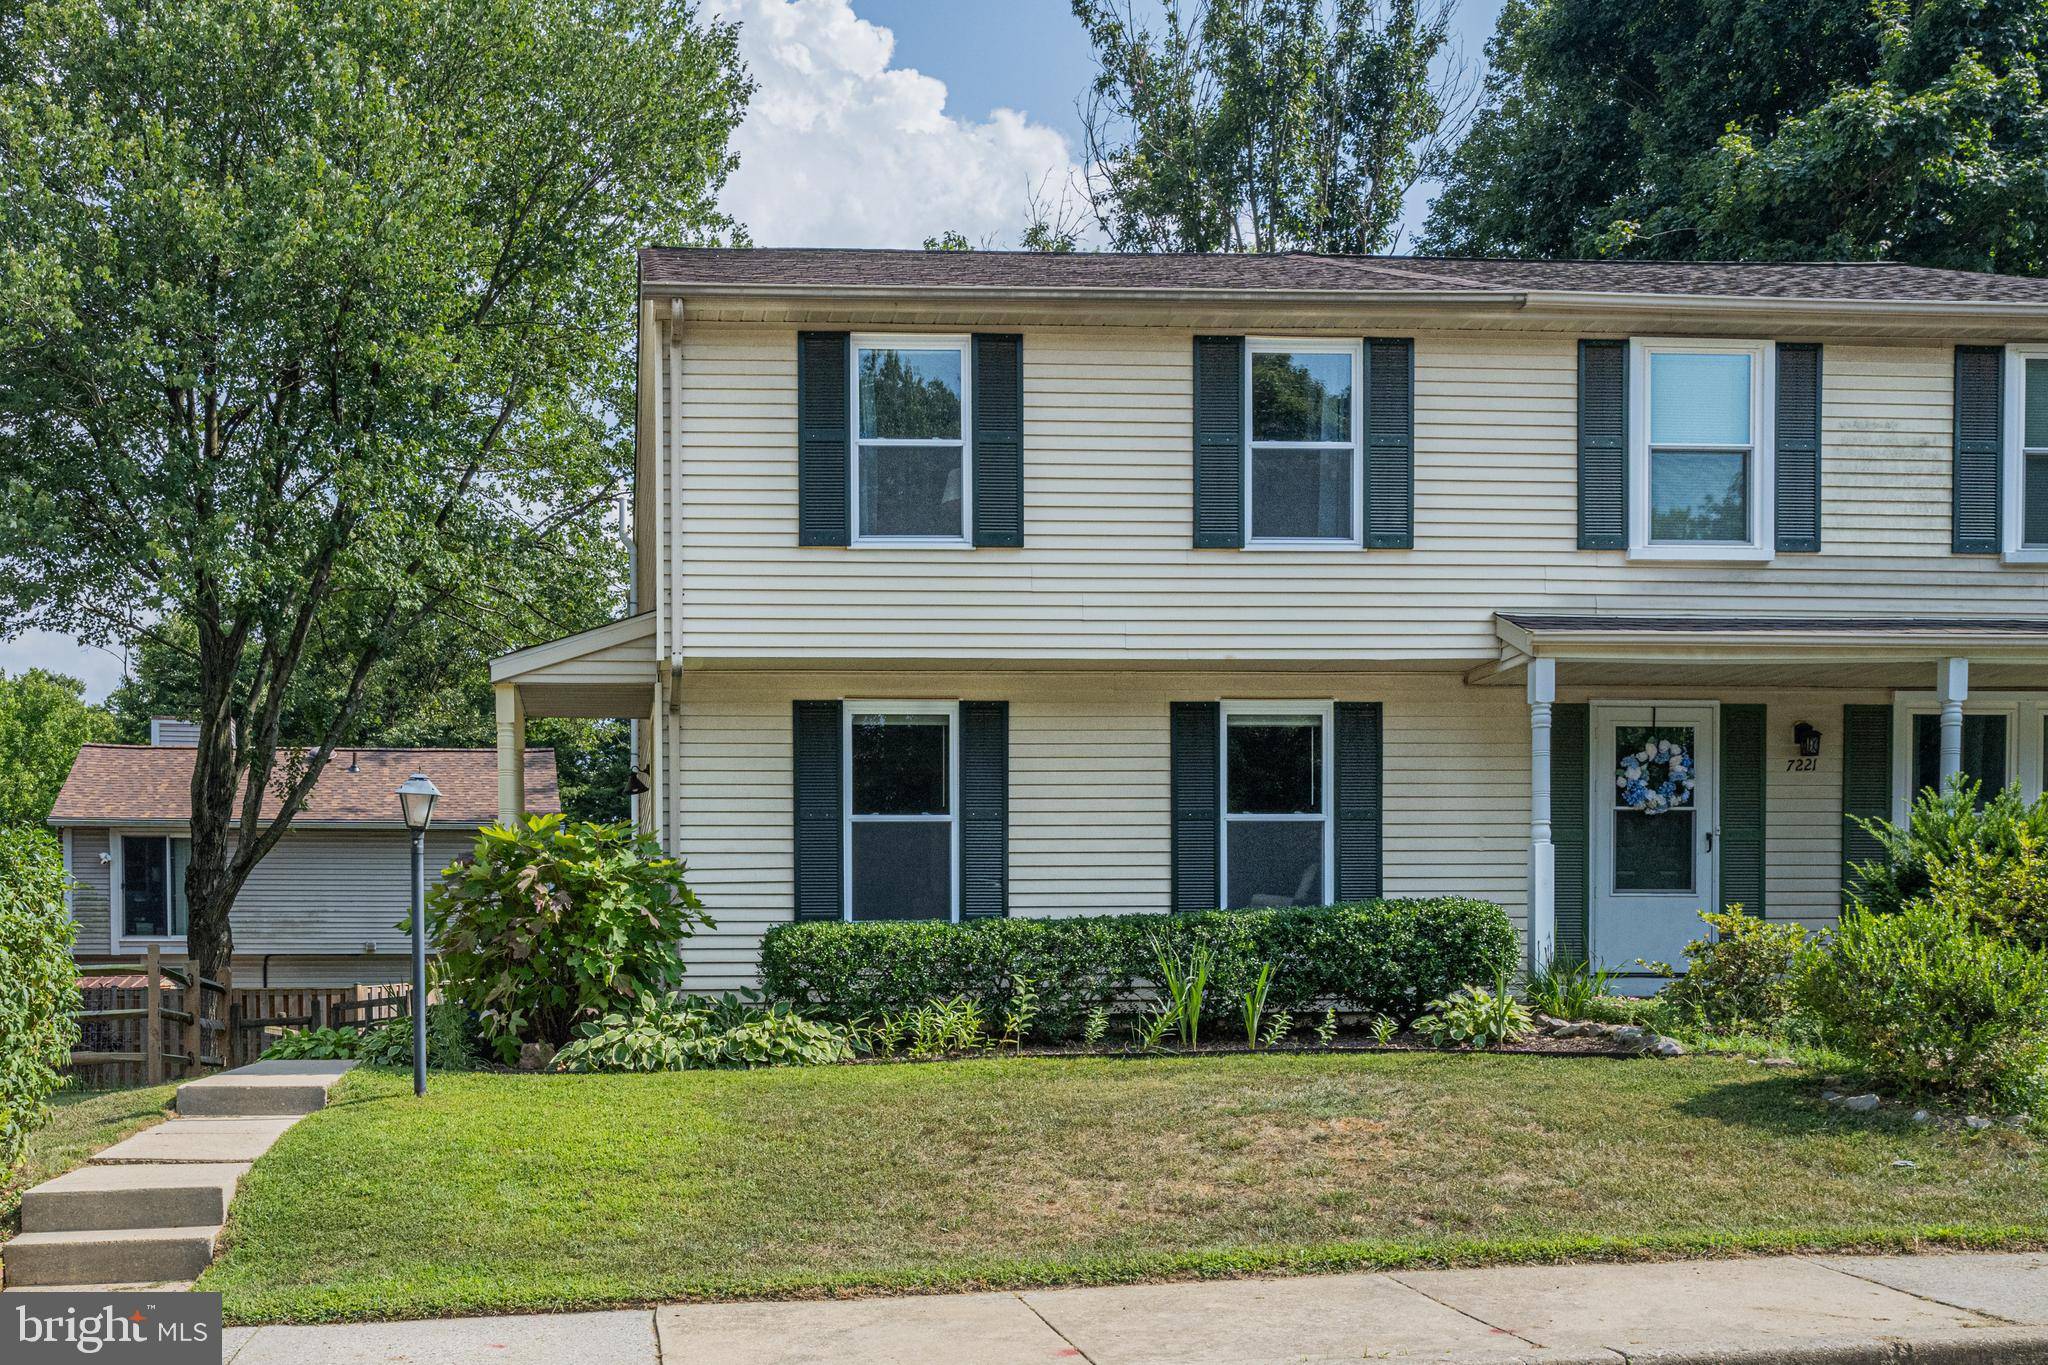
(1806,739)
(416,798)
(636,783)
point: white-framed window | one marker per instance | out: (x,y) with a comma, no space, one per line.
(1278,847)
(148,884)
(2026,454)
(2005,743)
(1700,449)
(902,810)
(912,400)
(1304,484)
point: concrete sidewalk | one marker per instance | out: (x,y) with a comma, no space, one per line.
(1962,1308)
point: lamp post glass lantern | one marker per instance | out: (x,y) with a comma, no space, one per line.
(416,798)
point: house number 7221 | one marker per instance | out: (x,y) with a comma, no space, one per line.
(1802,765)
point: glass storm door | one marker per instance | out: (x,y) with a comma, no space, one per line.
(1653,785)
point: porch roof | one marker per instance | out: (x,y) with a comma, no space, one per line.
(606,671)
(1771,651)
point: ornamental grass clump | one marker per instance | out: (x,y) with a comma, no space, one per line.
(553,923)
(39,998)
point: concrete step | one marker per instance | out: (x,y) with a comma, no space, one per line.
(197,1140)
(262,1090)
(103,1198)
(113,1256)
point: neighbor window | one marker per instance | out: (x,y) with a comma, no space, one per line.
(1701,454)
(1984,752)
(2028,438)
(1276,835)
(911,474)
(1302,453)
(901,760)
(153,885)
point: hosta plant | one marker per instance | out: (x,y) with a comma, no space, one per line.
(1473,1016)
(695,1034)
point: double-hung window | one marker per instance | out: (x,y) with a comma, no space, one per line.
(1303,483)
(902,780)
(153,885)
(1700,457)
(2026,441)
(912,480)
(1276,804)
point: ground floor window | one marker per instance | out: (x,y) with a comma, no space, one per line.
(2005,744)
(1985,741)
(902,761)
(153,885)
(1276,807)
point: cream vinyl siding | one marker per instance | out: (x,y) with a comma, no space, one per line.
(1089,827)
(319,893)
(1107,570)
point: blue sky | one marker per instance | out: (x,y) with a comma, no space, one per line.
(878,123)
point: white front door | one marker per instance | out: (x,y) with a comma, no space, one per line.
(1653,833)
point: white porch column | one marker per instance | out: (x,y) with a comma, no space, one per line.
(511,754)
(1952,683)
(1542,854)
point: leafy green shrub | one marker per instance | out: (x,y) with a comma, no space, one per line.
(1737,977)
(694,1034)
(39,998)
(1375,957)
(316,1045)
(1939,830)
(2004,890)
(555,922)
(449,1045)
(1566,989)
(1923,1000)
(1473,1016)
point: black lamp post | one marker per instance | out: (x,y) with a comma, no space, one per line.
(416,799)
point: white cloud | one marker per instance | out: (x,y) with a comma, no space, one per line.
(841,149)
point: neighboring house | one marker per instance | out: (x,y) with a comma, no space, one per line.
(982,583)
(323,909)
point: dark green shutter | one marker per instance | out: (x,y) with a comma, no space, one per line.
(1866,785)
(1359,801)
(1980,449)
(1603,445)
(1219,443)
(998,439)
(1570,827)
(817,788)
(1743,742)
(1390,443)
(824,437)
(1195,772)
(984,809)
(1797,456)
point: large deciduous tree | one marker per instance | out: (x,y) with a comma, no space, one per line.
(318,341)
(1265,125)
(1781,130)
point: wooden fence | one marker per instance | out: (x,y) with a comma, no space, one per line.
(139,1025)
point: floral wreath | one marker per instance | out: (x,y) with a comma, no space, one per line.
(1656,778)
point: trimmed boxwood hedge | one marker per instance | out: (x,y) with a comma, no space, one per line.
(1380,957)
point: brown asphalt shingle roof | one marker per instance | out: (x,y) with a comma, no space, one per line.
(795,268)
(116,784)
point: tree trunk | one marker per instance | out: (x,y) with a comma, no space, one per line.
(210,884)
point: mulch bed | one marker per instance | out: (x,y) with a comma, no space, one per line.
(1533,1046)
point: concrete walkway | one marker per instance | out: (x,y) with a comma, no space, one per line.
(1838,1310)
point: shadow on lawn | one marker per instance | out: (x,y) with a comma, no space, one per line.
(1785,1104)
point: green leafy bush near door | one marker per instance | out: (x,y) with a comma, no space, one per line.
(1387,957)
(39,998)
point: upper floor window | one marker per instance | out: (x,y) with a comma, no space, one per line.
(911,475)
(153,885)
(1302,481)
(1700,461)
(2026,473)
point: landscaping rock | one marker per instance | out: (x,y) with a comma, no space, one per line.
(1922,1116)
(1667,1047)
(1975,1123)
(535,1056)
(1860,1104)
(1779,1061)
(1905,1164)
(1553,1026)
(1830,1096)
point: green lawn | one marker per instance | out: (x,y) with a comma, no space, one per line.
(503,1192)
(84,1122)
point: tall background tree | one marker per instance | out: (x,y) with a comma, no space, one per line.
(1776,130)
(44,720)
(319,342)
(1265,125)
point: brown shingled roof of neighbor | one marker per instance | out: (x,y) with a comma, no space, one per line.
(125,784)
(791,269)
